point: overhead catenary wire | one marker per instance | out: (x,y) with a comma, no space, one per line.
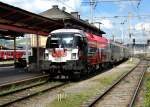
(135,9)
(117,16)
(139,3)
(93,3)
(106,1)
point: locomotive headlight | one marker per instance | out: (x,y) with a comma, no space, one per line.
(73,56)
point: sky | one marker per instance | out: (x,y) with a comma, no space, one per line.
(116,17)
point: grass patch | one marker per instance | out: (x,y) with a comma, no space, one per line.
(94,86)
(76,99)
(72,100)
(147,96)
(133,61)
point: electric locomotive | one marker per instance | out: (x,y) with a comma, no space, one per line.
(66,50)
(73,52)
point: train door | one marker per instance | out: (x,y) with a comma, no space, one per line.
(4,54)
(17,54)
(112,48)
(7,54)
(13,55)
(20,54)
(81,42)
(0,55)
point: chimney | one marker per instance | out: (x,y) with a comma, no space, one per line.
(55,6)
(75,14)
(78,16)
(86,20)
(63,8)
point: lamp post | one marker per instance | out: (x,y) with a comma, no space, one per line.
(129,24)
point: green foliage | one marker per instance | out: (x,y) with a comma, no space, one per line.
(72,100)
(147,96)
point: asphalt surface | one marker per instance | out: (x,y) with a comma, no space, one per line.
(10,74)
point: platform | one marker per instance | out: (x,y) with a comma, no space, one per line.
(11,74)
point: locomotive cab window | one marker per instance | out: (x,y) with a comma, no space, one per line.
(78,41)
(64,40)
(81,41)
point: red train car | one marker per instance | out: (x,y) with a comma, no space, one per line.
(73,52)
(9,54)
(95,46)
(81,52)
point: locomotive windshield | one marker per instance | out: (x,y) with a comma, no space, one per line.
(62,40)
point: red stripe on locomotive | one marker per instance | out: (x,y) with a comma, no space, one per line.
(98,43)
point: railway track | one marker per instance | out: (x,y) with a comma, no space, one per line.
(26,88)
(123,92)
(23,81)
(16,96)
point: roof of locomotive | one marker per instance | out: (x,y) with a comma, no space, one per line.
(68,31)
(101,39)
(96,38)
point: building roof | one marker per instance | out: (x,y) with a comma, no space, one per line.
(62,16)
(19,20)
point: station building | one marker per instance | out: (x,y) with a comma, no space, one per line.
(69,20)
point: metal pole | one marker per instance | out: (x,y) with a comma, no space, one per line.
(14,49)
(38,63)
(27,49)
(134,50)
(129,18)
(92,6)
(91,10)
(122,35)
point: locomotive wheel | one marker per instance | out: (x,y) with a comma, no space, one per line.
(53,73)
(100,67)
(106,65)
(75,76)
(84,71)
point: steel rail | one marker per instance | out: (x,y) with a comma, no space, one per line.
(44,77)
(137,89)
(91,104)
(21,89)
(31,95)
(22,81)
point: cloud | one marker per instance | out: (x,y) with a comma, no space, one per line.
(38,6)
(127,5)
(142,26)
(123,6)
(106,24)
